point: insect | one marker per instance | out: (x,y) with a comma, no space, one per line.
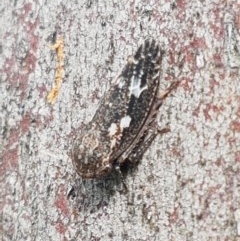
(124,125)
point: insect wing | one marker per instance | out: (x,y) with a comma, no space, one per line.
(127,104)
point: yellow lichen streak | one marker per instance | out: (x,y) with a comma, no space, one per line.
(53,94)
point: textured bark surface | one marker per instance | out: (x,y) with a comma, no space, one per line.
(186,187)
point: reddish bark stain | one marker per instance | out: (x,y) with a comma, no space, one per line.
(198,43)
(197,110)
(190,58)
(237,21)
(208,108)
(206,113)
(182,12)
(181,4)
(42,91)
(60,227)
(216,109)
(172,52)
(9,161)
(218,162)
(232,142)
(25,10)
(186,83)
(217,58)
(25,123)
(176,152)
(237,156)
(213,83)
(218,31)
(174,216)
(235,126)
(217,26)
(13,137)
(61,202)
(29,62)
(190,52)
(8,69)
(33,39)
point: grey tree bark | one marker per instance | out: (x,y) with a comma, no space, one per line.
(186,187)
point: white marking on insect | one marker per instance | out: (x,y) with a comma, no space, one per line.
(132,60)
(121,83)
(135,88)
(125,122)
(112,129)
(113,143)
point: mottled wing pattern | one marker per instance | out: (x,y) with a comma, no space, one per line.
(141,78)
(121,114)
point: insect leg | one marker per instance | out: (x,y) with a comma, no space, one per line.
(144,143)
(163,95)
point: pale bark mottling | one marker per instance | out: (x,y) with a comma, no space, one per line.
(186,187)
